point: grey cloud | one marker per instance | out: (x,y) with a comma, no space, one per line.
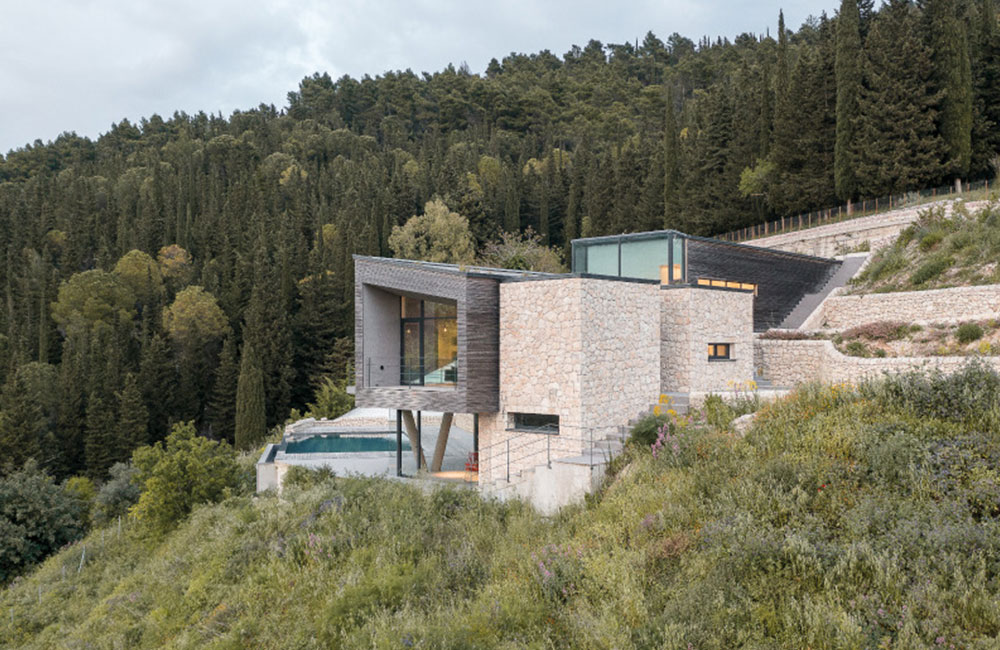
(80,66)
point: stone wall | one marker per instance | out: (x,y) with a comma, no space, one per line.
(584,349)
(837,238)
(690,319)
(789,363)
(933,306)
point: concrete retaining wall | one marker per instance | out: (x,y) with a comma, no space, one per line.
(933,306)
(789,363)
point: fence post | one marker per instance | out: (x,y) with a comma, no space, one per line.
(508,460)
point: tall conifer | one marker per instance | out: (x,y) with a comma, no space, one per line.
(848,69)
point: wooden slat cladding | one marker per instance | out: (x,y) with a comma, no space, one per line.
(782,279)
(478,311)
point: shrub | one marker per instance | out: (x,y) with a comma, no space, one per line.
(37,517)
(879,331)
(176,476)
(786,335)
(332,399)
(930,240)
(117,495)
(931,269)
(645,432)
(717,412)
(856,349)
(968,332)
(82,490)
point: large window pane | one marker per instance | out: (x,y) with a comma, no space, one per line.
(602,259)
(643,258)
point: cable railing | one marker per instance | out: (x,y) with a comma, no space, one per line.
(525,449)
(854,210)
(411,371)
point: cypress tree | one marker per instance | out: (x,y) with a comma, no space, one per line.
(157,380)
(223,402)
(101,445)
(898,146)
(251,417)
(671,161)
(986,136)
(953,79)
(133,418)
(848,69)
(21,425)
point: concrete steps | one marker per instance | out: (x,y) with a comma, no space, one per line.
(811,301)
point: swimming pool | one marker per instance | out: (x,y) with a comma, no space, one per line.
(335,444)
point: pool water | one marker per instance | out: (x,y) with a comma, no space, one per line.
(343,444)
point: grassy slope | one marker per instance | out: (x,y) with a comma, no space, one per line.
(842,520)
(937,252)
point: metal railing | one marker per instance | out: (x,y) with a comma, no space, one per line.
(856,209)
(411,371)
(524,449)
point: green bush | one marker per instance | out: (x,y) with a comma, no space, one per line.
(930,240)
(717,413)
(931,269)
(968,332)
(185,471)
(117,495)
(37,517)
(857,349)
(646,430)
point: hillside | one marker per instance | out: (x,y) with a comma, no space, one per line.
(845,518)
(939,250)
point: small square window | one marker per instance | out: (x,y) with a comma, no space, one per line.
(719,351)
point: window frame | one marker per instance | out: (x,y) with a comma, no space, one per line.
(549,429)
(713,352)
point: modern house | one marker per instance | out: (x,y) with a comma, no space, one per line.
(546,369)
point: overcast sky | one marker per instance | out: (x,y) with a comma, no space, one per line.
(80,65)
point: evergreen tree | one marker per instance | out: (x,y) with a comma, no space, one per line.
(848,68)
(21,426)
(671,162)
(133,419)
(953,79)
(251,423)
(898,147)
(157,379)
(101,443)
(223,403)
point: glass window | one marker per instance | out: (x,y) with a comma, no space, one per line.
(429,340)
(602,259)
(536,422)
(718,351)
(410,307)
(643,258)
(677,273)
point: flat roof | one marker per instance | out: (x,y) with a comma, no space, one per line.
(465,269)
(655,234)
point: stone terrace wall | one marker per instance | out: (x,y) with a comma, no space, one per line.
(833,239)
(789,363)
(933,306)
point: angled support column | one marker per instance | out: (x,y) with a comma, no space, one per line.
(442,442)
(411,433)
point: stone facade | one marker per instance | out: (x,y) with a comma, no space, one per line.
(584,349)
(789,363)
(690,319)
(833,239)
(933,306)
